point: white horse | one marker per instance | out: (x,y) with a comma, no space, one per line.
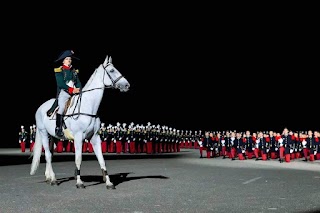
(81,122)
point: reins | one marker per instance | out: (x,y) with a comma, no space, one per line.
(78,103)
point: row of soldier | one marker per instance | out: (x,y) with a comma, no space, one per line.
(284,146)
(158,139)
(122,139)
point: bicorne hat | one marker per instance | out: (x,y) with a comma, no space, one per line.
(66,53)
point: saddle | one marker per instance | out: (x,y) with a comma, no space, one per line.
(54,108)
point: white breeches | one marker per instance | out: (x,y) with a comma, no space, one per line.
(62,100)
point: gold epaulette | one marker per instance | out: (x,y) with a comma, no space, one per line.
(77,71)
(59,69)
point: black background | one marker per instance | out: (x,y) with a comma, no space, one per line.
(188,69)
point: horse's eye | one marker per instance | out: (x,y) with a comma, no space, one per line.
(111,70)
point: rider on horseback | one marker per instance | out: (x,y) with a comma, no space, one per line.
(68,84)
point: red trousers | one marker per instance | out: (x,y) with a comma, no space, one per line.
(103,146)
(287,158)
(223,150)
(23,146)
(264,155)
(59,147)
(249,154)
(111,147)
(187,144)
(84,147)
(132,147)
(281,152)
(241,157)
(70,147)
(90,147)
(126,146)
(208,153)
(118,147)
(182,144)
(273,155)
(311,157)
(306,152)
(149,147)
(196,145)
(257,152)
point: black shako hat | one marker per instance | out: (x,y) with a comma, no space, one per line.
(67,53)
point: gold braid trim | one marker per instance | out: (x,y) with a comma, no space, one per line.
(59,69)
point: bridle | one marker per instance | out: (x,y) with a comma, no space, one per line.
(113,81)
(113,86)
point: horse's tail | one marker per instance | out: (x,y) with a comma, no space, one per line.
(37,149)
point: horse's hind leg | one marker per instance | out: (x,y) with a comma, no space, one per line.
(96,144)
(50,176)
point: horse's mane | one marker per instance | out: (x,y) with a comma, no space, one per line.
(90,79)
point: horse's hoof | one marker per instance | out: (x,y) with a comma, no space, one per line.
(111,187)
(80,186)
(48,181)
(53,183)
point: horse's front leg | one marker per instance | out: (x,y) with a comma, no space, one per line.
(78,159)
(96,144)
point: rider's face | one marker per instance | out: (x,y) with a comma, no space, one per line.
(67,61)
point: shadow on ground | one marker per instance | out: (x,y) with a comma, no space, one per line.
(6,160)
(116,179)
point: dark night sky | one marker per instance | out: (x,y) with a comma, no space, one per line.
(188,73)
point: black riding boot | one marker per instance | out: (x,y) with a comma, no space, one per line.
(59,131)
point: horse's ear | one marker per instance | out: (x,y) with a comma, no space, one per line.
(110,60)
(105,61)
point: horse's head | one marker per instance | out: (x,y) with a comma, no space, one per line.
(115,78)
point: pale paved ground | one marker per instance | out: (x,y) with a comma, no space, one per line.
(176,182)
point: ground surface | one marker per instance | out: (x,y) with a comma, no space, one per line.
(176,182)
